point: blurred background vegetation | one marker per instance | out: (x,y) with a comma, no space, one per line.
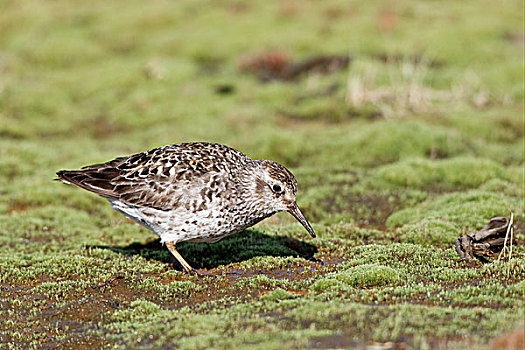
(402,121)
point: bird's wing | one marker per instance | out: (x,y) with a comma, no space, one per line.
(164,178)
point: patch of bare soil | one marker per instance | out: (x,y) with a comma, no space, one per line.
(17,206)
(269,66)
(516,38)
(71,322)
(101,127)
(370,210)
(514,340)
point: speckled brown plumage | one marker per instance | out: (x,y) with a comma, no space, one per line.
(192,191)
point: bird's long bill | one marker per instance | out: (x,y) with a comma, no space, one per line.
(296,212)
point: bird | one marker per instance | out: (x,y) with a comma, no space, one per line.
(196,191)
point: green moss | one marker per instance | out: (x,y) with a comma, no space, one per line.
(328,285)
(332,109)
(277,295)
(386,142)
(519,288)
(138,309)
(369,275)
(431,231)
(441,220)
(512,269)
(418,141)
(441,174)
(258,282)
(389,322)
(504,187)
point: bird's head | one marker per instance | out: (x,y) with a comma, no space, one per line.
(278,187)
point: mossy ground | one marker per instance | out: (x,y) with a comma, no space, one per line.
(418,141)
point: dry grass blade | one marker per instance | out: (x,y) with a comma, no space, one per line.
(511,225)
(509,232)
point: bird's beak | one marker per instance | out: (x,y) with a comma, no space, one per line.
(296,212)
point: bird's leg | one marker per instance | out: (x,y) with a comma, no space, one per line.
(180,259)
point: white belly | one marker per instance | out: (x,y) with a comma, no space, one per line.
(180,224)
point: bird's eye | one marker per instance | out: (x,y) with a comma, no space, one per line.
(277,188)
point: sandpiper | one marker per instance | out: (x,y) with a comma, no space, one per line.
(198,192)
